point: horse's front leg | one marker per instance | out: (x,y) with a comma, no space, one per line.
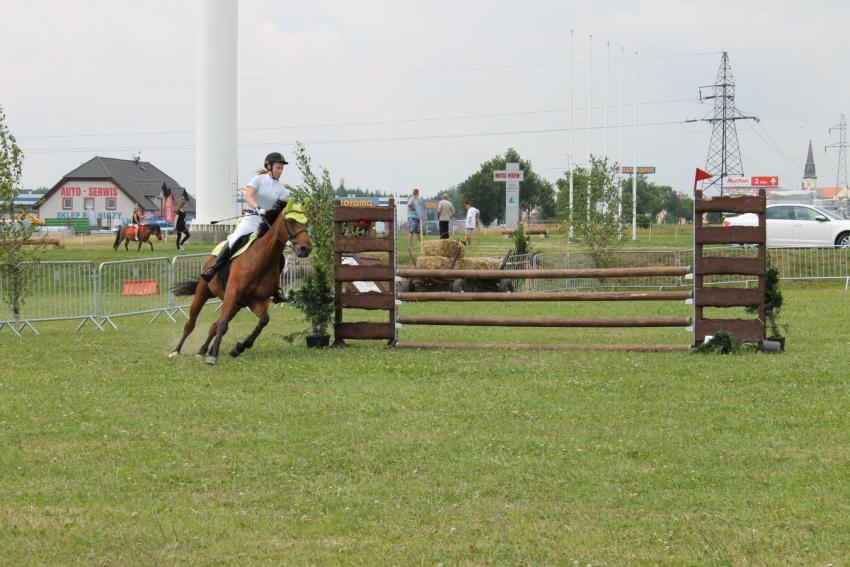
(261,309)
(151,245)
(127,244)
(228,312)
(139,247)
(198,302)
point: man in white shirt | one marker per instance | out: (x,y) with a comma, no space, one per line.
(472,215)
(445,212)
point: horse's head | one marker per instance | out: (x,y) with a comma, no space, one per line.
(295,220)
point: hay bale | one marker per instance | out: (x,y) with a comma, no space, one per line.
(433,263)
(478,264)
(447,248)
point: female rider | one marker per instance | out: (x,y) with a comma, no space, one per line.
(261,194)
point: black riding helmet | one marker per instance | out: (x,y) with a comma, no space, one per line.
(274,157)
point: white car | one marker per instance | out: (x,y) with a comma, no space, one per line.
(798,225)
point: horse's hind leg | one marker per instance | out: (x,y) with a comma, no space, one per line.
(228,312)
(261,309)
(127,244)
(198,302)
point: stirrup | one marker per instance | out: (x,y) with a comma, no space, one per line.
(278,297)
(209,273)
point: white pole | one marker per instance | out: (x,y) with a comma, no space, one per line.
(215,114)
(589,117)
(607,81)
(634,156)
(620,154)
(572,62)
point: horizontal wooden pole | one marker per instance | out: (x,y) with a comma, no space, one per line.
(546,296)
(355,214)
(355,245)
(730,235)
(384,301)
(367,331)
(743,204)
(363,273)
(594,273)
(544,322)
(728,297)
(537,346)
(748,330)
(716,265)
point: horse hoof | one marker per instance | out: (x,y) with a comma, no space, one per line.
(211,360)
(174,354)
(234,352)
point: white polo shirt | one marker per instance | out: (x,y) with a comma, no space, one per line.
(268,190)
(471,215)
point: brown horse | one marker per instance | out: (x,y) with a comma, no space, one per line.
(249,281)
(126,234)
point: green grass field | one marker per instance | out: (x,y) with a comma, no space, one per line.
(111,453)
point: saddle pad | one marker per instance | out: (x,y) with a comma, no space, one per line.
(240,250)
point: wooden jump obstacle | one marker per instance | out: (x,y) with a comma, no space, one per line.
(701,297)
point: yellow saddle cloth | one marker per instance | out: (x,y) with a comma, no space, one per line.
(220,246)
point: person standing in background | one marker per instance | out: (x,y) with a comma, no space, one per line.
(180,225)
(472,215)
(445,212)
(415,214)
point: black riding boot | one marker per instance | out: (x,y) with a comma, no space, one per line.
(278,297)
(220,261)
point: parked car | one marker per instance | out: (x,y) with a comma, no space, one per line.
(798,225)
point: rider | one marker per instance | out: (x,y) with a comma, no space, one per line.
(138,220)
(261,194)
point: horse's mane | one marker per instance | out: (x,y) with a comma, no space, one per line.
(270,216)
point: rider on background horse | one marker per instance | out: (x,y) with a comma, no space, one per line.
(138,221)
(262,192)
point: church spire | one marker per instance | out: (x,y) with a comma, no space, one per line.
(810,178)
(809,172)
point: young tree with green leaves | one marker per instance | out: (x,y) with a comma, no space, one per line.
(598,231)
(16,256)
(316,298)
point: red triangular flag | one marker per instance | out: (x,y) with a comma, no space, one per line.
(702,175)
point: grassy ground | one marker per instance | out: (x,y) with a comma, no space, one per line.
(110,453)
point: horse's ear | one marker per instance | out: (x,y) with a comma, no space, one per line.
(289,206)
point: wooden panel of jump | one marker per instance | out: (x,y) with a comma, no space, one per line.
(595,273)
(356,214)
(383,301)
(729,297)
(363,273)
(743,329)
(747,330)
(717,265)
(546,296)
(356,245)
(736,204)
(539,346)
(731,234)
(559,322)
(364,330)
(375,273)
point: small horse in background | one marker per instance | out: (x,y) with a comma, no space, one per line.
(128,233)
(248,280)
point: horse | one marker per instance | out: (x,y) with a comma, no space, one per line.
(126,234)
(249,280)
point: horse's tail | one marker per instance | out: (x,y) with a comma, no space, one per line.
(187,287)
(117,238)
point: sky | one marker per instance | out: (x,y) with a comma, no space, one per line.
(396,94)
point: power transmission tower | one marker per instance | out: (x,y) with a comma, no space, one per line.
(841,176)
(724,154)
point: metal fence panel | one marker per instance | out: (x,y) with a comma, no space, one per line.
(133,287)
(55,291)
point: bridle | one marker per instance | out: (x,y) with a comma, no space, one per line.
(286,222)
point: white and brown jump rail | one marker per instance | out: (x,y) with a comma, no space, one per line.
(347,274)
(547,322)
(748,330)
